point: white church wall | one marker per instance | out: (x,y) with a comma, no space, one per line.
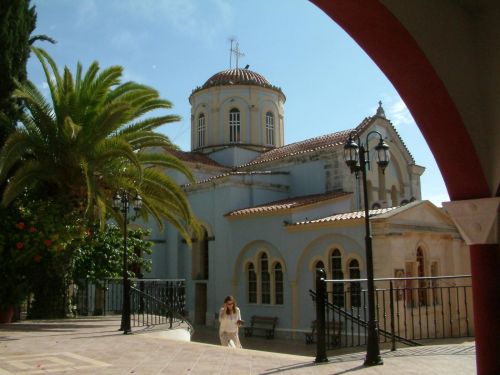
(233,156)
(322,210)
(306,177)
(297,249)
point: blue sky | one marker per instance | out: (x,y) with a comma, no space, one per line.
(176,45)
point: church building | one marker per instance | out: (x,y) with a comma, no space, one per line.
(273,213)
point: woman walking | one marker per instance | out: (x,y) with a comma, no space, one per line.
(230,321)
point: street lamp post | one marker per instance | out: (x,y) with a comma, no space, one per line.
(358,159)
(121,202)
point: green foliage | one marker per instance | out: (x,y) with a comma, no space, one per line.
(100,255)
(17,22)
(36,244)
(92,139)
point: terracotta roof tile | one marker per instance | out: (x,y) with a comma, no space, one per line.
(233,173)
(237,76)
(309,145)
(344,216)
(286,204)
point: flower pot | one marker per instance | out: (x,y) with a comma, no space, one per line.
(6,314)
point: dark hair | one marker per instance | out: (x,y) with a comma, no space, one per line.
(233,310)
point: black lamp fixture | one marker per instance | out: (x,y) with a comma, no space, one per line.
(121,202)
(357,159)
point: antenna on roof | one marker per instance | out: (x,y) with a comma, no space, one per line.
(235,51)
(231,40)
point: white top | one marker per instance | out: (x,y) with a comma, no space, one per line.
(228,322)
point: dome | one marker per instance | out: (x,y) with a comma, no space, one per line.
(237,76)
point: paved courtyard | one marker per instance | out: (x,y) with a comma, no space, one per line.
(94,346)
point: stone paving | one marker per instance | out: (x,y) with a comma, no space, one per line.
(94,346)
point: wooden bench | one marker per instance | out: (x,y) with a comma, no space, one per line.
(333,331)
(262,323)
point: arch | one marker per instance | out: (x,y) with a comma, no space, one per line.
(381,35)
(321,247)
(264,273)
(357,257)
(251,252)
(313,261)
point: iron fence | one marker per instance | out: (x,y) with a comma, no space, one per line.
(408,310)
(153,301)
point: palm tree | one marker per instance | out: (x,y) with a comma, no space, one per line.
(92,139)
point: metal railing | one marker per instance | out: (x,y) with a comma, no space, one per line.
(407,310)
(153,301)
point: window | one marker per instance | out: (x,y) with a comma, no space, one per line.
(201,130)
(265,280)
(234,125)
(278,284)
(270,128)
(252,284)
(319,266)
(422,288)
(354,273)
(337,274)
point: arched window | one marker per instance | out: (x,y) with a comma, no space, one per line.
(265,282)
(354,273)
(270,128)
(319,266)
(422,292)
(234,125)
(337,274)
(252,284)
(376,206)
(201,130)
(278,284)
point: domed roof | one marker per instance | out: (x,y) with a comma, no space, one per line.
(237,76)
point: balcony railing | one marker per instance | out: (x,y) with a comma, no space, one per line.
(408,310)
(153,301)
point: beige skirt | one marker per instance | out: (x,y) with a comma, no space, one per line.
(230,339)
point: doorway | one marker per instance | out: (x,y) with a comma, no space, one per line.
(200,312)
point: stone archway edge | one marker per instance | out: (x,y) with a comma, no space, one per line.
(398,55)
